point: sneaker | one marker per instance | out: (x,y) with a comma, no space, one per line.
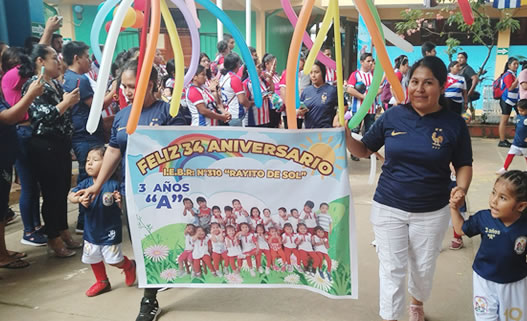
(321,273)
(34,239)
(219,274)
(501,171)
(252,272)
(267,270)
(261,269)
(10,217)
(181,273)
(504,143)
(456,244)
(99,288)
(78,231)
(129,275)
(416,313)
(149,310)
(329,275)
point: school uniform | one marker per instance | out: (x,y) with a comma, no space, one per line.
(231,86)
(240,217)
(310,219)
(519,146)
(194,96)
(234,252)
(187,252)
(219,251)
(509,98)
(290,247)
(257,116)
(305,251)
(322,251)
(275,246)
(201,253)
(249,248)
(366,78)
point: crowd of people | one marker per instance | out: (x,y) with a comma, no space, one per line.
(47,93)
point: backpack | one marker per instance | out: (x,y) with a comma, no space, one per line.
(497,90)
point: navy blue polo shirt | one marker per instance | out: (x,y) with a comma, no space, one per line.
(80,111)
(157,114)
(321,103)
(8,141)
(418,150)
(502,256)
(521,131)
(102,225)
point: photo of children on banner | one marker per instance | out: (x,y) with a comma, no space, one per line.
(221,242)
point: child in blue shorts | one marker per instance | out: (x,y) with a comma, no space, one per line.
(519,144)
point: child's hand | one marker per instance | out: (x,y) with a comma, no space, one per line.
(457,197)
(117,196)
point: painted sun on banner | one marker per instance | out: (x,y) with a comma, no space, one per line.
(241,207)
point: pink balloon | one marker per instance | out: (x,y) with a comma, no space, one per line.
(293,18)
(139,5)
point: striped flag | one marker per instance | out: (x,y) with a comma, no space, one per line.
(505,4)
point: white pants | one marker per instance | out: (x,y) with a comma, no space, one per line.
(495,301)
(518,151)
(93,253)
(407,243)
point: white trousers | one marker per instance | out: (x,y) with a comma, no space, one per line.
(495,301)
(407,243)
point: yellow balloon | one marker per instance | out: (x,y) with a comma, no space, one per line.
(129,19)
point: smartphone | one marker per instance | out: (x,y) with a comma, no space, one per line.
(60,18)
(42,71)
(78,83)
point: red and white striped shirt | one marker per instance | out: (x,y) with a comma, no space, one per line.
(365,78)
(257,116)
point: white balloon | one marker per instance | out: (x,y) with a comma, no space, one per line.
(105,65)
(373,169)
(396,40)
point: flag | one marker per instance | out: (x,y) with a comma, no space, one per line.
(505,4)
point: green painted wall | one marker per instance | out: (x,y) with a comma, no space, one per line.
(208,30)
(278,37)
(127,39)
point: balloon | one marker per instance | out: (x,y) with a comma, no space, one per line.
(104,11)
(139,19)
(319,40)
(142,44)
(179,60)
(338,56)
(291,15)
(192,8)
(129,18)
(144,77)
(108,17)
(108,25)
(140,5)
(466,11)
(294,49)
(105,64)
(396,40)
(240,40)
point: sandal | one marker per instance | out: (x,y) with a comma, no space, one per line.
(63,252)
(17,255)
(16,264)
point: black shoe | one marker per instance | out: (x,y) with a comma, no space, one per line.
(354,158)
(149,310)
(504,143)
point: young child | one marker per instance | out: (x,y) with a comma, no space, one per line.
(200,253)
(281,219)
(204,213)
(267,219)
(456,89)
(185,258)
(500,266)
(102,227)
(290,246)
(305,249)
(519,145)
(189,210)
(321,246)
(219,251)
(234,250)
(264,248)
(230,218)
(250,247)
(255,218)
(241,214)
(294,219)
(309,217)
(324,220)
(275,244)
(217,217)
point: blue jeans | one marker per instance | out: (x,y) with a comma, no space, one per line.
(81,149)
(30,194)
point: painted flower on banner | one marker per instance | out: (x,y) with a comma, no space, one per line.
(334,264)
(233,278)
(292,279)
(169,274)
(157,253)
(318,282)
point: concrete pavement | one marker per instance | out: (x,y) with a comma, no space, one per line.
(53,289)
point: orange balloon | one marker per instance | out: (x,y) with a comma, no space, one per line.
(139,20)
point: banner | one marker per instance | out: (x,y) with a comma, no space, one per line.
(241,207)
(364,42)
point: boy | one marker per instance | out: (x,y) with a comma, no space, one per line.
(519,144)
(217,217)
(456,89)
(230,218)
(324,220)
(294,219)
(309,217)
(191,211)
(204,213)
(281,219)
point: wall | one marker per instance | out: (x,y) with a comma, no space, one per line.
(18,21)
(278,37)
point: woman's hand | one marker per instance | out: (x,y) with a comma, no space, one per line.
(226,117)
(72,97)
(86,196)
(213,84)
(36,88)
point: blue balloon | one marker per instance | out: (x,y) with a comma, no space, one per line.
(109,16)
(103,11)
(237,35)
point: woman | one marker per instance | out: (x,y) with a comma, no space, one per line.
(509,98)
(259,117)
(212,83)
(203,103)
(410,212)
(204,60)
(269,68)
(154,113)
(50,145)
(235,100)
(8,118)
(319,100)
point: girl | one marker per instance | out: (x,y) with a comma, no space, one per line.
(233,248)
(217,217)
(235,100)
(269,72)
(275,244)
(255,218)
(264,248)
(102,227)
(241,214)
(509,85)
(519,145)
(259,117)
(249,246)
(230,218)
(200,253)
(189,209)
(290,246)
(305,249)
(321,246)
(185,259)
(500,266)
(267,219)
(294,219)
(219,251)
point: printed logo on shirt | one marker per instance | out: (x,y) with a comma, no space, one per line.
(437,138)
(525,122)
(120,128)
(491,233)
(395,133)
(520,244)
(107,199)
(324,97)
(111,235)
(481,305)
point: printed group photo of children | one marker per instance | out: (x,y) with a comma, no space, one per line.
(287,241)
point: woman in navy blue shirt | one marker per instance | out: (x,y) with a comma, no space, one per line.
(410,212)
